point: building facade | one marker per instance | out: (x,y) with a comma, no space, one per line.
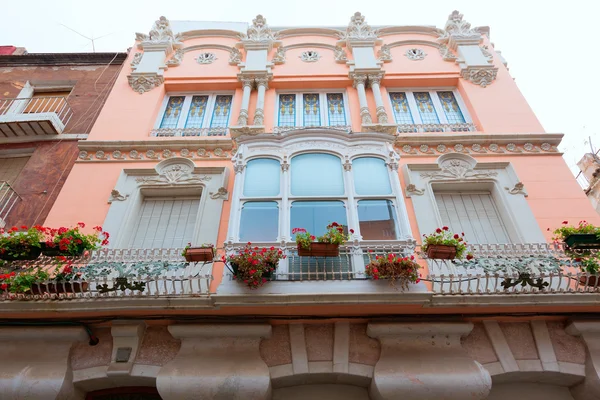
(228,133)
(49,102)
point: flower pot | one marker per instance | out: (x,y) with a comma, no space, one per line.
(588,280)
(56,251)
(320,250)
(30,253)
(199,254)
(441,252)
(66,287)
(582,241)
(267,274)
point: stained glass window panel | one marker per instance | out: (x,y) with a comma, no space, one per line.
(377,219)
(287,110)
(197,111)
(426,109)
(259,221)
(335,109)
(401,109)
(220,116)
(311,109)
(451,108)
(172,112)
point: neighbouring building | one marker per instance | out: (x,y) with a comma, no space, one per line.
(590,171)
(227,133)
(48,102)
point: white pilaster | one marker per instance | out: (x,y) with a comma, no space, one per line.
(403,222)
(247,88)
(239,164)
(259,113)
(359,84)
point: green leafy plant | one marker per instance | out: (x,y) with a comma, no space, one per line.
(336,234)
(17,243)
(21,282)
(73,242)
(567,230)
(252,263)
(588,261)
(395,268)
(443,236)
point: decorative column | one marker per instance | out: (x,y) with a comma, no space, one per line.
(382,117)
(36,362)
(259,116)
(475,66)
(247,87)
(217,362)
(238,187)
(589,389)
(158,44)
(284,223)
(403,222)
(257,43)
(425,361)
(358,261)
(359,84)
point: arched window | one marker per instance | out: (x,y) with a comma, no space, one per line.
(317,174)
(262,178)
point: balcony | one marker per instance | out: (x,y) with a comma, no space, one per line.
(184,132)
(515,274)
(34,116)
(426,128)
(8,199)
(282,130)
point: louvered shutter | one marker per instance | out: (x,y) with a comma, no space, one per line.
(165,223)
(475,214)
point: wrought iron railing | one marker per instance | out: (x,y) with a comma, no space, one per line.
(37,105)
(8,198)
(425,128)
(171,132)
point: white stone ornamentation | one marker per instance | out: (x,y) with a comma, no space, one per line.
(457,28)
(339,54)
(415,54)
(279,57)
(455,166)
(519,188)
(221,193)
(143,83)
(259,31)
(310,56)
(206,58)
(384,54)
(358,29)
(137,57)
(235,56)
(160,33)
(176,59)
(482,76)
(411,189)
(115,195)
(174,171)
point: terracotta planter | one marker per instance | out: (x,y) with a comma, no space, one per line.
(66,287)
(55,251)
(320,250)
(31,253)
(582,241)
(195,254)
(441,252)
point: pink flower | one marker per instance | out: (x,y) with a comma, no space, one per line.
(445,228)
(438,230)
(456,236)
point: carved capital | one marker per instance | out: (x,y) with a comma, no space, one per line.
(375,79)
(262,81)
(359,79)
(428,351)
(202,367)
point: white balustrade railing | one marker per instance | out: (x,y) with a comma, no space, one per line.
(37,105)
(425,128)
(279,130)
(171,132)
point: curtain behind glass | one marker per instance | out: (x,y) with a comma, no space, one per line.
(262,178)
(317,175)
(314,216)
(371,176)
(377,220)
(259,221)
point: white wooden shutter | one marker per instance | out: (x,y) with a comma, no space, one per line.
(165,223)
(475,214)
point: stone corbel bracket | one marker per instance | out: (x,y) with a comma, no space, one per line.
(415,355)
(127,339)
(203,368)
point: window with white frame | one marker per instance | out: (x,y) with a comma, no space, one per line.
(312,109)
(428,107)
(195,111)
(317,195)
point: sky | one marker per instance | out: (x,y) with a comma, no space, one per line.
(549,45)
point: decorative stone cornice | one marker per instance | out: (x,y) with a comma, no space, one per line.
(110,151)
(251,130)
(380,127)
(143,83)
(482,76)
(423,144)
(359,33)
(160,36)
(459,32)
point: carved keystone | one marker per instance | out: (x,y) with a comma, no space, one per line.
(425,361)
(217,362)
